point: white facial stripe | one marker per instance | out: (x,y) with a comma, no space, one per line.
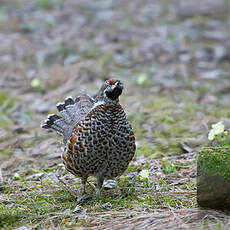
(98,103)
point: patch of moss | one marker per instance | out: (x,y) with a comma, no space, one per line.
(43,199)
(215,160)
(159,154)
(137,119)
(46,4)
(5,152)
(168,166)
(133,168)
(162,103)
(145,149)
(32,207)
(219,112)
(9,216)
(137,168)
(51,169)
(180,165)
(190,185)
(6,100)
(174,131)
(6,103)
(28,143)
(168,148)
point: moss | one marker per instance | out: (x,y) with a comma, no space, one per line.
(190,185)
(6,103)
(46,4)
(162,103)
(145,149)
(220,113)
(5,152)
(3,97)
(215,160)
(6,100)
(174,131)
(137,119)
(5,121)
(159,154)
(28,143)
(167,148)
(137,168)
(38,205)
(168,166)
(133,168)
(51,169)
(9,216)
(43,199)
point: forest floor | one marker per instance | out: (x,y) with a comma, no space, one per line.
(173,57)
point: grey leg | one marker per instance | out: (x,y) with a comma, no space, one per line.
(83,182)
(100,181)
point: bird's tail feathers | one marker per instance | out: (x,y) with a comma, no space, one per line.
(72,112)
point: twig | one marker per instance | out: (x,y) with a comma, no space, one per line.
(63,185)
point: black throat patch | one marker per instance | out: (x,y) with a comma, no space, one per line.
(114,94)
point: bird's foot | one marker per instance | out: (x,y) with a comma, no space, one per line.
(84,198)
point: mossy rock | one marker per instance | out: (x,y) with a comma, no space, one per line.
(213,177)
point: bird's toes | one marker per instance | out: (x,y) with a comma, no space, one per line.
(84,198)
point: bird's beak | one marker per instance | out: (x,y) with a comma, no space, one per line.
(118,85)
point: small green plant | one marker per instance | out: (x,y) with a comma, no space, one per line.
(48,4)
(6,106)
(218,132)
(167,166)
(144,176)
(36,85)
(45,4)
(142,79)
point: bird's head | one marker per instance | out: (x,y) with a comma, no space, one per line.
(110,91)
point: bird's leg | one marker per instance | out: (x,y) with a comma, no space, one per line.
(83,182)
(84,197)
(100,181)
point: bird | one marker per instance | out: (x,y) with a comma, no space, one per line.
(98,138)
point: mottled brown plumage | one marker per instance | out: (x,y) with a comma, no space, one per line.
(102,142)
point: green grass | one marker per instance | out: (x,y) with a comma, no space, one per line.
(6,103)
(36,202)
(137,119)
(48,4)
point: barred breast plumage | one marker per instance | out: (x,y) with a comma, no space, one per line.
(102,143)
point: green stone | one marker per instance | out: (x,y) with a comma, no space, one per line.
(213,177)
